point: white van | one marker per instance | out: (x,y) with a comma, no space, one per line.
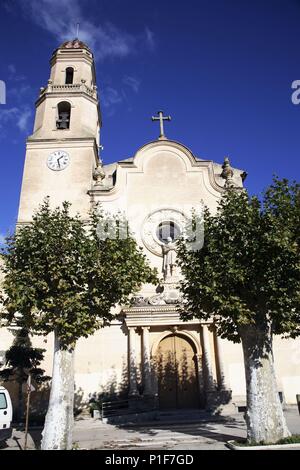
(5,414)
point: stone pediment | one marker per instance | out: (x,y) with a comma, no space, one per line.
(166,162)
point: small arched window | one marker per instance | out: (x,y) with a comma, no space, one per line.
(63,115)
(69,75)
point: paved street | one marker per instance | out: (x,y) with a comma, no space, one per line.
(174,431)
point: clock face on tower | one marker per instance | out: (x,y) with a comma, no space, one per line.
(58,160)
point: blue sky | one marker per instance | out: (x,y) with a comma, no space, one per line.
(222,69)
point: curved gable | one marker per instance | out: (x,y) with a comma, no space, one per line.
(162,168)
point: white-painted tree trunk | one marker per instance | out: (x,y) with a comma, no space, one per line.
(264,416)
(58,429)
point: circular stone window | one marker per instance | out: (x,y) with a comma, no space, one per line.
(166,230)
(159,226)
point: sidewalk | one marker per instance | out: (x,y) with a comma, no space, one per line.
(174,431)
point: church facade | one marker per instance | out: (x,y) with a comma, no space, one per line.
(147,353)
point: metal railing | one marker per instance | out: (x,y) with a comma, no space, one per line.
(115,408)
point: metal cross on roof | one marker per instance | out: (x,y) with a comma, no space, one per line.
(161,118)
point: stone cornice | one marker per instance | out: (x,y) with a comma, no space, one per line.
(67,95)
(32,139)
(67,141)
(150,308)
(104,189)
(68,54)
(157,316)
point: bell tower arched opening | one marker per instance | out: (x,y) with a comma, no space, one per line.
(63,115)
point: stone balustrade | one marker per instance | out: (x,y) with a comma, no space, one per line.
(70,88)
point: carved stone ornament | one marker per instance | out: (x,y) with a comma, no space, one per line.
(227,172)
(168,297)
(157,300)
(99,175)
(139,300)
(151,224)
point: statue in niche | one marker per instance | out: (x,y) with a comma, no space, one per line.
(169,259)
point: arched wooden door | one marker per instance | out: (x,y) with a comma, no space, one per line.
(176,373)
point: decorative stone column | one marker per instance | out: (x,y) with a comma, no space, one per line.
(132,363)
(198,362)
(146,360)
(218,401)
(207,361)
(222,383)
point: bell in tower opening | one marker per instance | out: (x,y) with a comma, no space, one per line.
(64,114)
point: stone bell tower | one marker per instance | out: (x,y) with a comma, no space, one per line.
(62,152)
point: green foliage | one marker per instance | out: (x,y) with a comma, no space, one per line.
(249,267)
(61,276)
(294,439)
(22,359)
(94,406)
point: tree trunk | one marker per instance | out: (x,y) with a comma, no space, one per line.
(264,416)
(58,429)
(20,412)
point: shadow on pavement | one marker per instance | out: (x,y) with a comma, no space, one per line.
(207,426)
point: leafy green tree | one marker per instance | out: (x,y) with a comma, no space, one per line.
(21,360)
(247,278)
(282,200)
(64,276)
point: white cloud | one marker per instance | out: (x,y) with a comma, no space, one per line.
(132,83)
(7,115)
(110,96)
(111,99)
(59,17)
(13,75)
(11,68)
(150,38)
(2,239)
(23,119)
(18,117)
(19,92)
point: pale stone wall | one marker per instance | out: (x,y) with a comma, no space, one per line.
(234,369)
(83,122)
(67,185)
(101,362)
(287,366)
(80,61)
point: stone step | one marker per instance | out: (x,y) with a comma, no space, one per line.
(154,443)
(161,437)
